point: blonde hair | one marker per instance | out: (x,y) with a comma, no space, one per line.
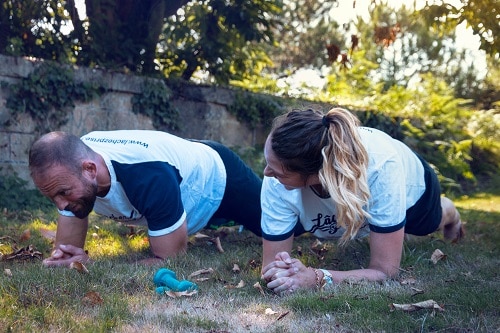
(310,143)
(344,171)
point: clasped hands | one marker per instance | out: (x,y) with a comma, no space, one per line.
(64,255)
(286,274)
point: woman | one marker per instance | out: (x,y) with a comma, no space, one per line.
(328,176)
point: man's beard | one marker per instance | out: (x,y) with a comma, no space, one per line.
(85,204)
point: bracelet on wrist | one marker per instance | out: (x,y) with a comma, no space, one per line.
(326,280)
(318,278)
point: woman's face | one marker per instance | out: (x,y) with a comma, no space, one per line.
(274,168)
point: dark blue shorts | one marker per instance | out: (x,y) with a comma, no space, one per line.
(424,217)
(241,201)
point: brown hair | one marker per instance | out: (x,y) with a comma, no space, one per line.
(309,143)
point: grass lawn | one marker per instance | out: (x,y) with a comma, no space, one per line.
(118,295)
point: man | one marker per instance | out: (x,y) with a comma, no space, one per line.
(172,185)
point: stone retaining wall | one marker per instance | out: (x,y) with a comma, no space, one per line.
(203,113)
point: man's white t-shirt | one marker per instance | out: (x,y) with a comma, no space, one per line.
(158,180)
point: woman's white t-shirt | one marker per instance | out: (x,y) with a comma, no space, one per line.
(395,178)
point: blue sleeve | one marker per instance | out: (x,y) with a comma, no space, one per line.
(386,230)
(154,189)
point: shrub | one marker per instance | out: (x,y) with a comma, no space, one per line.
(15,196)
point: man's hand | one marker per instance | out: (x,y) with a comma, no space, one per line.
(64,255)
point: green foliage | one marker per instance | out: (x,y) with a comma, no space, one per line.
(154,102)
(383,122)
(457,159)
(459,143)
(350,86)
(486,156)
(47,94)
(255,110)
(490,95)
(416,48)
(120,34)
(484,127)
(485,124)
(253,157)
(306,28)
(34,28)
(219,37)
(434,124)
(263,83)
(137,36)
(15,196)
(480,15)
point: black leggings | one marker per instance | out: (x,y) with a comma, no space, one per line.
(241,201)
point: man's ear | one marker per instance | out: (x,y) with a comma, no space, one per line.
(89,169)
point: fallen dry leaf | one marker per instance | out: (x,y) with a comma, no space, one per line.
(258,287)
(241,284)
(437,255)
(134,231)
(78,266)
(25,253)
(26,234)
(209,270)
(408,280)
(316,244)
(177,294)
(416,291)
(429,304)
(319,249)
(201,279)
(194,238)
(281,316)
(217,243)
(236,268)
(7,272)
(224,231)
(270,311)
(199,235)
(252,263)
(92,298)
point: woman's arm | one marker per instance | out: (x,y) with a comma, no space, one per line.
(271,249)
(386,251)
(385,257)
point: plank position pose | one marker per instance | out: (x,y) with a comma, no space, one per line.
(328,176)
(172,185)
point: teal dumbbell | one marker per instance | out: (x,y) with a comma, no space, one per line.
(166,280)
